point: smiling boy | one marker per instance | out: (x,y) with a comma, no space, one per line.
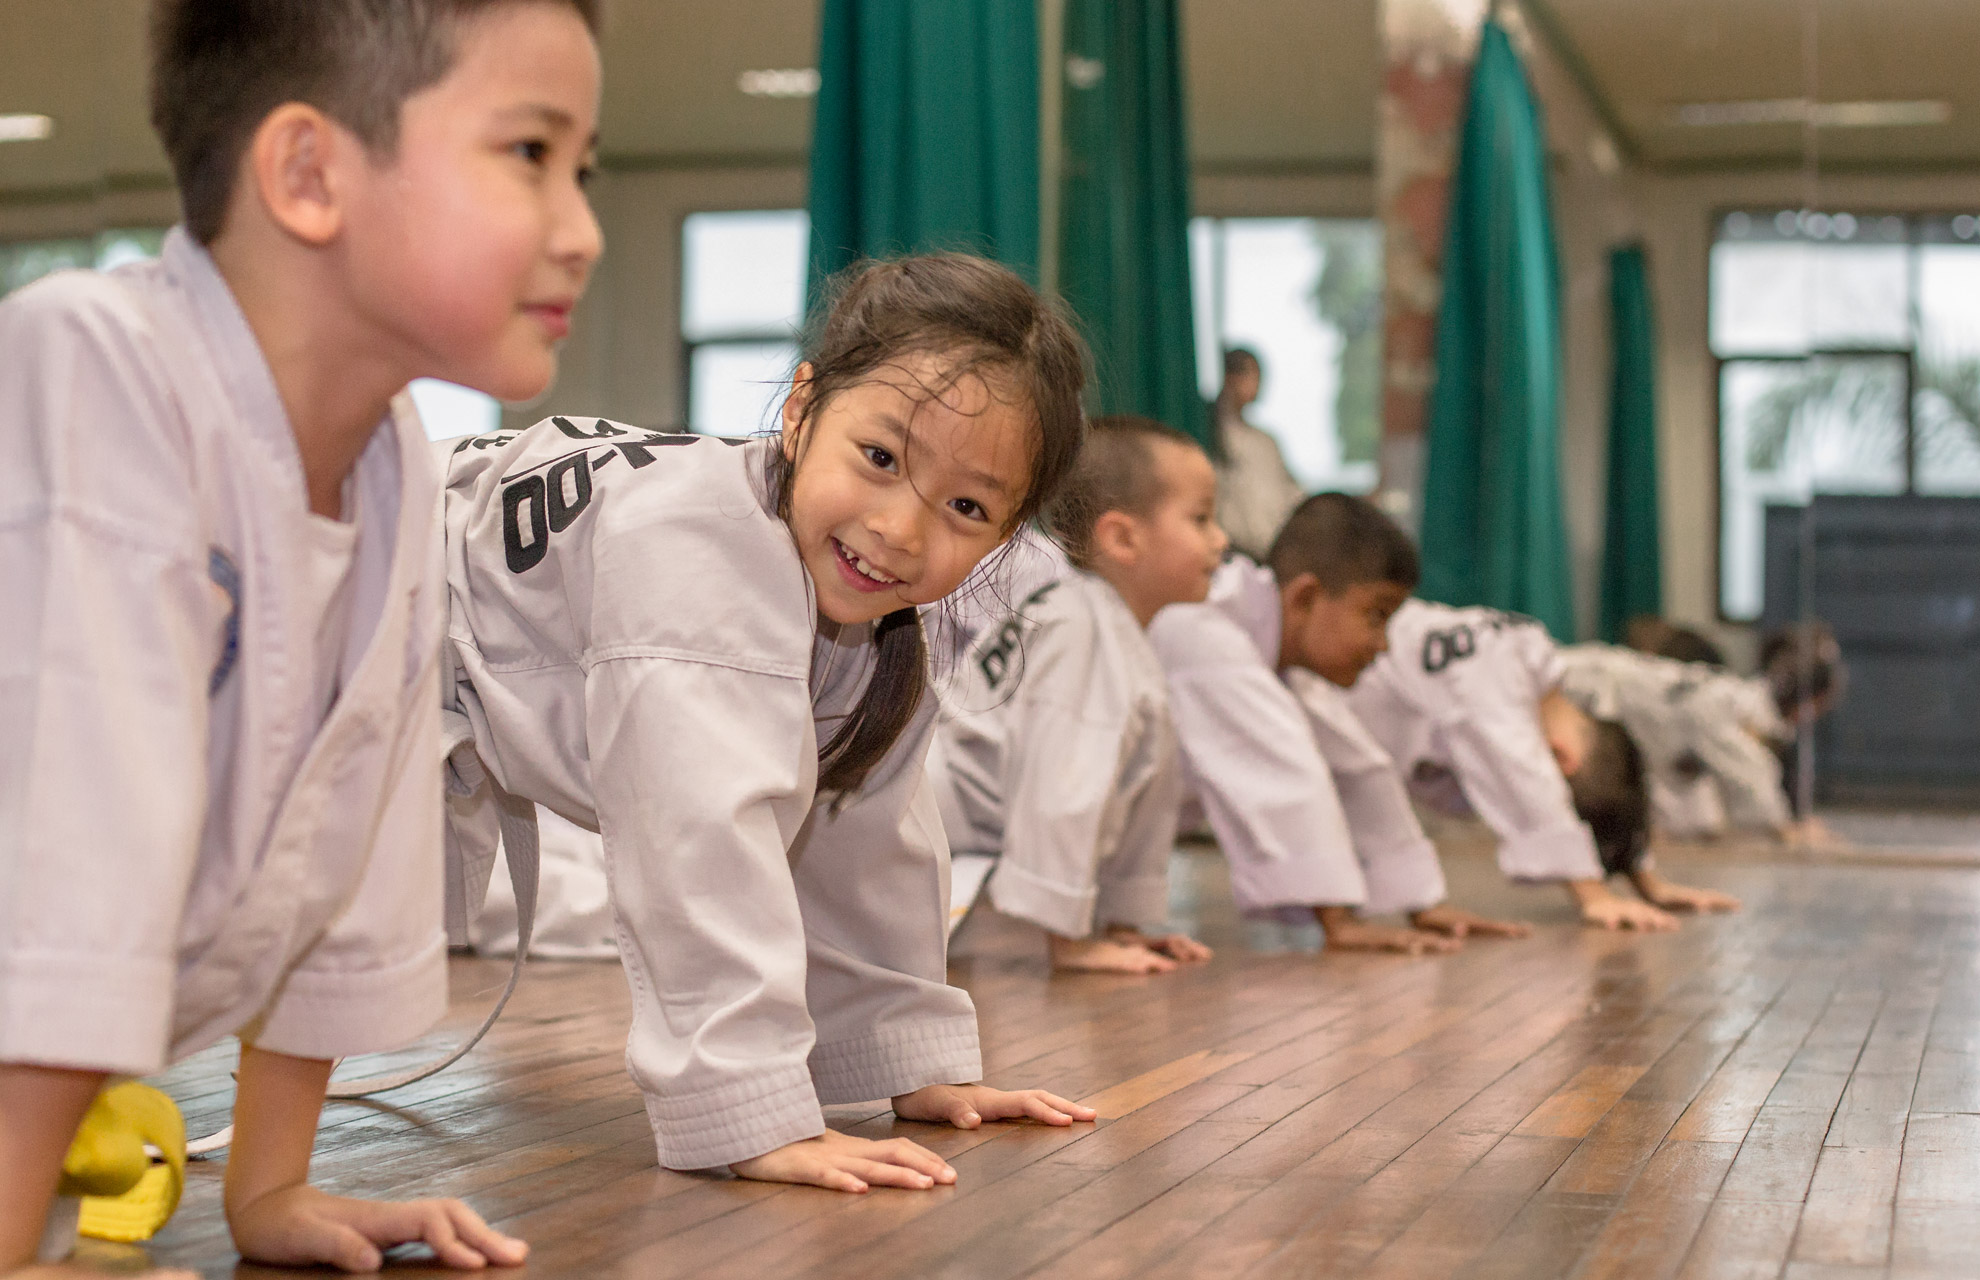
(220,801)
(1056,755)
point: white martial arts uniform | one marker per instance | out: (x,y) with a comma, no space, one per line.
(190,847)
(1306,805)
(1456,702)
(1057,755)
(573,899)
(1703,732)
(636,647)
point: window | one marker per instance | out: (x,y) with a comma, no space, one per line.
(1849,362)
(742,301)
(1306,295)
(445,410)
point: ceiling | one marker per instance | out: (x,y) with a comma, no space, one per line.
(1273,84)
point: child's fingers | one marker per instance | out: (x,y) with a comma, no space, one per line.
(833,1179)
(342,1246)
(882,1174)
(1072,1109)
(500,1250)
(436,1229)
(909,1154)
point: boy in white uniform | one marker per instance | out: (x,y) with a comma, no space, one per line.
(219,793)
(1467,703)
(1056,752)
(1307,807)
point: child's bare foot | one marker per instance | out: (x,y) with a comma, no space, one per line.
(1455,922)
(1347,932)
(1105,955)
(1176,946)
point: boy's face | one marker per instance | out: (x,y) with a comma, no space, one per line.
(899,494)
(1336,634)
(470,245)
(1180,544)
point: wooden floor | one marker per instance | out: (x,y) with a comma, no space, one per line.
(1791,1092)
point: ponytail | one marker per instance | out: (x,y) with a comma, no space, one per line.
(893,692)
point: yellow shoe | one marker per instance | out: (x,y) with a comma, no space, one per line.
(128,1163)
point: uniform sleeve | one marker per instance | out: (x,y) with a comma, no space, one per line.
(107,643)
(1398,862)
(1251,755)
(873,881)
(1064,763)
(701,782)
(1509,775)
(378,978)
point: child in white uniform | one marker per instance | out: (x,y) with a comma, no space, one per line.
(1467,703)
(1706,736)
(1304,802)
(1057,752)
(709,651)
(219,790)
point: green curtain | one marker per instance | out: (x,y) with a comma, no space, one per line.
(1632,558)
(1494,531)
(1124,210)
(926,131)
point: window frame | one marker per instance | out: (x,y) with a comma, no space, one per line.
(791,337)
(1915,220)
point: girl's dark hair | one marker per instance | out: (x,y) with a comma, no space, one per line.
(984,321)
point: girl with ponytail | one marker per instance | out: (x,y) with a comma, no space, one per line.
(709,651)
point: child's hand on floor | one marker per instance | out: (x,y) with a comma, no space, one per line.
(1105,955)
(1176,946)
(840,1162)
(1609,910)
(298,1226)
(1672,896)
(1348,932)
(968,1105)
(1458,923)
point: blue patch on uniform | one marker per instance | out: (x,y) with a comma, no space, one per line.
(227,576)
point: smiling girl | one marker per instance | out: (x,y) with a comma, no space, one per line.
(709,651)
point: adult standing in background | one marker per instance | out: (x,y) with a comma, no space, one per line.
(1255,491)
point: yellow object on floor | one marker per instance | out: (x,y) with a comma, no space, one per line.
(128,1163)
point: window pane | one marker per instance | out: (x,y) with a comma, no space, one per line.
(1788,428)
(1305,295)
(1946,400)
(24,263)
(448,411)
(743,274)
(733,387)
(1779,289)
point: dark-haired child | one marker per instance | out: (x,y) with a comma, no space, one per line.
(1056,752)
(1706,735)
(709,652)
(1468,704)
(219,794)
(1306,805)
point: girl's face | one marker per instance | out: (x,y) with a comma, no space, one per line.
(899,493)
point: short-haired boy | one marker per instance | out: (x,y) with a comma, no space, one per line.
(220,791)
(1306,805)
(1056,753)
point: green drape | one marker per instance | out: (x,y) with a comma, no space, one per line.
(1494,531)
(1632,557)
(1124,211)
(926,131)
